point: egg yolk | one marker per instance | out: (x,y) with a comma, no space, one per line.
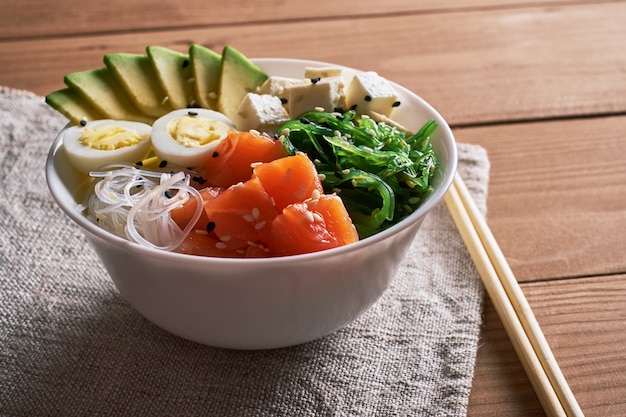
(109,138)
(194,131)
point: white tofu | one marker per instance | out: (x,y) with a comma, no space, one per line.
(276,85)
(322,72)
(371,92)
(262,112)
(326,93)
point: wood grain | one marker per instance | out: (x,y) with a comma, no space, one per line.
(67,17)
(584,321)
(497,65)
(557,203)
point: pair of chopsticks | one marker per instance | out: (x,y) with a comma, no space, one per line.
(511,305)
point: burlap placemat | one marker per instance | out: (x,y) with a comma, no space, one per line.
(71,345)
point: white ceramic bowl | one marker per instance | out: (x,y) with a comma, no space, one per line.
(259,303)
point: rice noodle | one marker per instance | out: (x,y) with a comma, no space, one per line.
(135,204)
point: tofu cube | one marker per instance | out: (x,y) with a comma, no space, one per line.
(276,85)
(322,72)
(368,91)
(262,112)
(326,93)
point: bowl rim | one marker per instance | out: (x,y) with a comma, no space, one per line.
(56,186)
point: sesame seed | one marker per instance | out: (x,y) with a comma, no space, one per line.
(164,100)
(337,190)
(312,203)
(367,98)
(414,200)
(248,217)
(305,121)
(367,149)
(338,175)
(285,131)
(345,171)
(315,80)
(255,213)
(210,226)
(407,208)
(215,154)
(139,164)
(185,63)
(310,217)
(220,245)
(315,194)
(319,109)
(299,194)
(192,113)
(318,218)
(168,194)
(283,100)
(260,225)
(256,164)
(322,177)
(225,238)
(255,132)
(354,182)
(83,122)
(396,104)
(162,164)
(253,244)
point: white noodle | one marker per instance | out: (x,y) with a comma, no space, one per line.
(136,203)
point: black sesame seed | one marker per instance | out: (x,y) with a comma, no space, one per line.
(338,110)
(276,136)
(353,107)
(284,100)
(192,113)
(168,194)
(139,164)
(215,154)
(338,175)
(210,227)
(162,164)
(185,63)
(395,104)
(340,117)
(305,121)
(367,98)
(199,180)
(83,122)
(315,80)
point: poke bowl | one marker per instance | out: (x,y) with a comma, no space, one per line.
(259,302)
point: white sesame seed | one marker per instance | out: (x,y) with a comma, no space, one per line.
(354,182)
(220,245)
(367,149)
(310,217)
(312,203)
(255,213)
(255,132)
(285,131)
(225,238)
(318,218)
(345,171)
(414,200)
(248,217)
(319,109)
(315,194)
(299,194)
(255,164)
(260,225)
(322,177)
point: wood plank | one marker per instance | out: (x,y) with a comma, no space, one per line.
(557,195)
(65,17)
(461,62)
(501,387)
(584,323)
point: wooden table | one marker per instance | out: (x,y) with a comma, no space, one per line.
(541,85)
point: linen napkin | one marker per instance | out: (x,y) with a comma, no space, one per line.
(71,346)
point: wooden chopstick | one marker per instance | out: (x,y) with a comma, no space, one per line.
(511,305)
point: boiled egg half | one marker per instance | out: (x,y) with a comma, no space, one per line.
(106,141)
(187,137)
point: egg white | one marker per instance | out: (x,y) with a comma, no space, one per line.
(169,149)
(86,159)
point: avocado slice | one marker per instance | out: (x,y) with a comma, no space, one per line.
(135,75)
(99,88)
(175,75)
(206,66)
(70,104)
(238,76)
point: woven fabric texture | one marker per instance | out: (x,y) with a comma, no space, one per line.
(71,346)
